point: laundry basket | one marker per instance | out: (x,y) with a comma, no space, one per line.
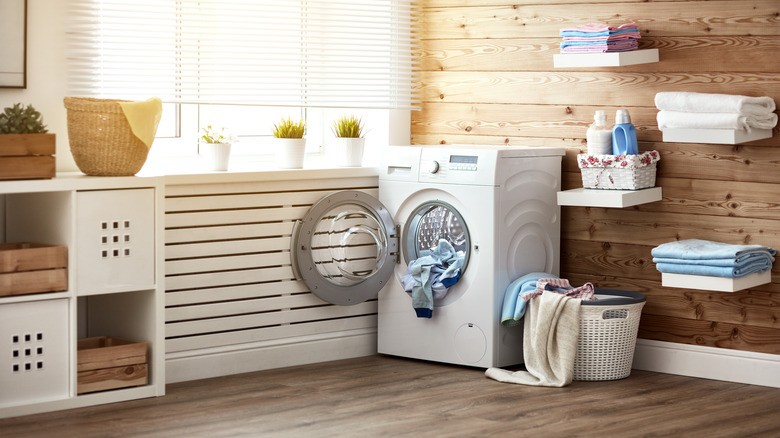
(608,328)
(101,139)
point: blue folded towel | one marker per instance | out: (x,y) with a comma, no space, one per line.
(576,33)
(513,308)
(713,271)
(748,259)
(714,259)
(695,249)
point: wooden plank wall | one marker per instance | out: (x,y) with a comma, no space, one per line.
(488,78)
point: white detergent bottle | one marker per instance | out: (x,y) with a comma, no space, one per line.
(599,135)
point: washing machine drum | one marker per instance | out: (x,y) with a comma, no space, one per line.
(431,222)
(345,248)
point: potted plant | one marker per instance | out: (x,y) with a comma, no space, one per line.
(349,140)
(215,145)
(26,149)
(291,145)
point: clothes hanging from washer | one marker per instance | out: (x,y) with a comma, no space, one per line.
(428,277)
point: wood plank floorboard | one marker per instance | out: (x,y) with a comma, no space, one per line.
(383,396)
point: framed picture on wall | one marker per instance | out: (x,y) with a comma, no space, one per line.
(13,43)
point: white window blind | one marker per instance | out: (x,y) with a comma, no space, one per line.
(304,53)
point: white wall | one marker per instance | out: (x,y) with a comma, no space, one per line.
(46,66)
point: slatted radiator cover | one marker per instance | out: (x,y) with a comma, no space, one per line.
(232,302)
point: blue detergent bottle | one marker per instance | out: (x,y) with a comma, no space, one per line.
(624,135)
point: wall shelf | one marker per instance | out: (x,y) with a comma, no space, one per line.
(608,198)
(720,284)
(613,59)
(716,136)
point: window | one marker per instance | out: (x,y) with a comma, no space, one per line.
(246,64)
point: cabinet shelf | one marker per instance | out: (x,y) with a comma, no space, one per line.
(608,198)
(719,284)
(715,136)
(613,59)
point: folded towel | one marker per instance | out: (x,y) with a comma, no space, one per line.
(600,48)
(617,34)
(599,28)
(697,249)
(749,258)
(589,37)
(434,268)
(713,271)
(551,333)
(714,103)
(677,119)
(608,45)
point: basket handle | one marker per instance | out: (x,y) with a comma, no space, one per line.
(609,175)
(614,314)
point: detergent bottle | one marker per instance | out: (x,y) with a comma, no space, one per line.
(599,135)
(624,135)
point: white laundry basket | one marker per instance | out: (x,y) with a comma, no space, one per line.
(608,329)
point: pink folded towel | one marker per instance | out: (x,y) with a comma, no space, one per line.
(599,27)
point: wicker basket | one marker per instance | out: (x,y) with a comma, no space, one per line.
(608,328)
(618,172)
(100,137)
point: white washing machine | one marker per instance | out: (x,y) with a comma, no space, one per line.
(495,204)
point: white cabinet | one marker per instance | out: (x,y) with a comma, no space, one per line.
(112,227)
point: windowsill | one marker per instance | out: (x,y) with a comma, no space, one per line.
(194,171)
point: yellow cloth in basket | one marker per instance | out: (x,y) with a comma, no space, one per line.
(143,118)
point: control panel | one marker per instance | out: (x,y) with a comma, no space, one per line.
(455,165)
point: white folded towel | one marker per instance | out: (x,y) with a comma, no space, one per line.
(679,119)
(714,103)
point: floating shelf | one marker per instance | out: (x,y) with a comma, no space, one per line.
(608,198)
(720,284)
(612,59)
(716,136)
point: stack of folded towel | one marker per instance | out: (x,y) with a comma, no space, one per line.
(714,111)
(599,38)
(713,259)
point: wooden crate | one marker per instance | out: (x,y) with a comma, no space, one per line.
(29,268)
(109,363)
(27,156)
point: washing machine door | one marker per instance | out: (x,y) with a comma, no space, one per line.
(345,248)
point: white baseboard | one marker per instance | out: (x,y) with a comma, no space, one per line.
(708,362)
(203,364)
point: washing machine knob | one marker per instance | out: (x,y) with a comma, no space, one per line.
(433,167)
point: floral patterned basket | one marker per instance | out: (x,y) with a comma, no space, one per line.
(618,172)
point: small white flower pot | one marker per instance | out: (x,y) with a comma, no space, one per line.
(349,151)
(290,152)
(217,155)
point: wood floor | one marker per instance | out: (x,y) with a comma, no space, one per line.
(387,396)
